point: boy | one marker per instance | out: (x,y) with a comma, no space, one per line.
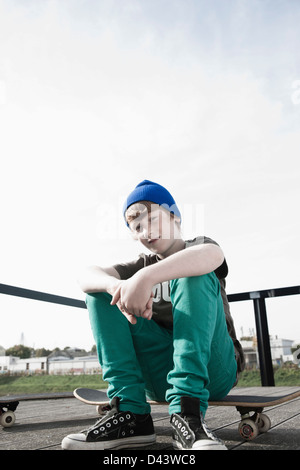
(161,330)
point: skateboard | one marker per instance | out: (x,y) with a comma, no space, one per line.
(9,404)
(249,427)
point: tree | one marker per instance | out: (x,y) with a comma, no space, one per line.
(42,352)
(19,350)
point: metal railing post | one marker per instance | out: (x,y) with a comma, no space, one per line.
(263,343)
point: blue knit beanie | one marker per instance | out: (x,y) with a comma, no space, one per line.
(153,192)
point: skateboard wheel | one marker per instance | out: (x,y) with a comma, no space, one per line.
(248,429)
(264,423)
(7,419)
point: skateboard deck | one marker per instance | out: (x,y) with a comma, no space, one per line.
(250,425)
(9,404)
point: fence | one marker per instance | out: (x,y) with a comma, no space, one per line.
(260,312)
(262,329)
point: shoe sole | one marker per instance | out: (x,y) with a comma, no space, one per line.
(205,444)
(125,443)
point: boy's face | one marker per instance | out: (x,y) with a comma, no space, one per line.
(156,230)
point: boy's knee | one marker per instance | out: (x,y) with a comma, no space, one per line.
(195,283)
(97,298)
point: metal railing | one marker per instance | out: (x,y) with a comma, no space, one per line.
(262,329)
(260,312)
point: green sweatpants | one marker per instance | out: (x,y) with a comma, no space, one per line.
(147,361)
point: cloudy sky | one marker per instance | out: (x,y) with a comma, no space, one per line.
(95,96)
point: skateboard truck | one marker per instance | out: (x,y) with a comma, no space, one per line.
(251,426)
(7,415)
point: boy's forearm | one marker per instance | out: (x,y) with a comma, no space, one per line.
(96,279)
(193,261)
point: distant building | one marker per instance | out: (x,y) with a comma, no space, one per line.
(281,350)
(77,365)
(250,353)
(15,365)
(58,362)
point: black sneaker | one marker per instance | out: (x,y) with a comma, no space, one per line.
(189,428)
(116,430)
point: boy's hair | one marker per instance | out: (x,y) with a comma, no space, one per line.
(141,208)
(138,209)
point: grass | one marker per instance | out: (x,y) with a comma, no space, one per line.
(67,383)
(48,383)
(283,377)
